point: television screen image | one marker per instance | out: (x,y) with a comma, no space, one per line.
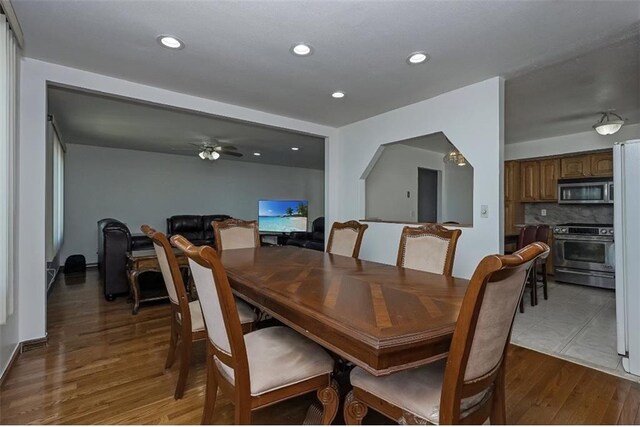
(283,216)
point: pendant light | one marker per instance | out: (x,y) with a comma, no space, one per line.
(609,123)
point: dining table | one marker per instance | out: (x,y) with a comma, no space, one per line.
(380,317)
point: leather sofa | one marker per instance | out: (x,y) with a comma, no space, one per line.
(310,240)
(196,228)
(114,241)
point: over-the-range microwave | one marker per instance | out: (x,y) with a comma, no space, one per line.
(585,190)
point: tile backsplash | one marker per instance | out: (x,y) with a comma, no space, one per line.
(558,214)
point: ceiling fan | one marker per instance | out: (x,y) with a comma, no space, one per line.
(213,150)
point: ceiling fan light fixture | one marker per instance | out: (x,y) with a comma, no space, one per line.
(608,125)
(214,155)
(202,155)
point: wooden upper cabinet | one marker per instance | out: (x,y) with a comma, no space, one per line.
(576,166)
(602,164)
(511,180)
(549,173)
(530,181)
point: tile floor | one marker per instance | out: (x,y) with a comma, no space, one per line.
(577,323)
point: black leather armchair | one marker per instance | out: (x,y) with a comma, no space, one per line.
(310,240)
(114,241)
(196,228)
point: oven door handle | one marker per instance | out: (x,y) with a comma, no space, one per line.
(590,273)
(598,238)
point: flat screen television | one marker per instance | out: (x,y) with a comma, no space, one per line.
(282,216)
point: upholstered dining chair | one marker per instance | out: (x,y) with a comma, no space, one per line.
(345,238)
(262,367)
(187,323)
(469,386)
(235,234)
(430,248)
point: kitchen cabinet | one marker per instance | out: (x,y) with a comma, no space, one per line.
(530,181)
(575,166)
(549,173)
(602,164)
(511,181)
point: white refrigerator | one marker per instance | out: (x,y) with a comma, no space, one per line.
(626,214)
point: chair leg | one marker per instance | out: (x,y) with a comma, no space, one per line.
(185,364)
(173,341)
(330,399)
(534,286)
(498,406)
(522,303)
(242,413)
(354,410)
(545,291)
(211,392)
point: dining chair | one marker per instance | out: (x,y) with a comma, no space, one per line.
(235,234)
(526,237)
(429,248)
(345,238)
(258,369)
(469,386)
(187,323)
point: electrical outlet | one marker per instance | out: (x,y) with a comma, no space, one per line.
(484,211)
(543,212)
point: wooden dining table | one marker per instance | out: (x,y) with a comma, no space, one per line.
(380,317)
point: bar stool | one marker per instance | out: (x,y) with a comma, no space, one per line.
(526,237)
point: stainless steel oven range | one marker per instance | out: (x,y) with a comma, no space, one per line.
(584,254)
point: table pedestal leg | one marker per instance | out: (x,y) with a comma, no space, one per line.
(135,290)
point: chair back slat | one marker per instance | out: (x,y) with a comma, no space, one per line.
(346,238)
(429,248)
(236,234)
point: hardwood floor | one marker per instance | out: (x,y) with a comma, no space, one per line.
(104,366)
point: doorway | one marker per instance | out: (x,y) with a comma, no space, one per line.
(427,195)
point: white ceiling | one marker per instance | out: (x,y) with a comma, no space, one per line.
(238,51)
(565,97)
(92,119)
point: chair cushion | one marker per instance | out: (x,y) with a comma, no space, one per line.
(279,357)
(246,313)
(415,390)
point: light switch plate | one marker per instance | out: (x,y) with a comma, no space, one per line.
(543,212)
(484,211)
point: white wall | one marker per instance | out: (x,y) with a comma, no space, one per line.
(472,119)
(395,173)
(139,187)
(565,144)
(458,192)
(31,191)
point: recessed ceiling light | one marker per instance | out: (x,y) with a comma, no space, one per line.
(295,148)
(301,49)
(338,94)
(257,154)
(417,58)
(170,41)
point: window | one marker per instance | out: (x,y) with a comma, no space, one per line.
(8,126)
(58,193)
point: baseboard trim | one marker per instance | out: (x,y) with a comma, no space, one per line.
(14,357)
(34,343)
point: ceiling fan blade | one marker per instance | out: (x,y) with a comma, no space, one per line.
(221,148)
(231,153)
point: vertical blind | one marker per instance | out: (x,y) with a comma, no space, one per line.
(58,193)
(8,126)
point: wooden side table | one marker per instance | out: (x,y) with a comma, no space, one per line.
(139,262)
